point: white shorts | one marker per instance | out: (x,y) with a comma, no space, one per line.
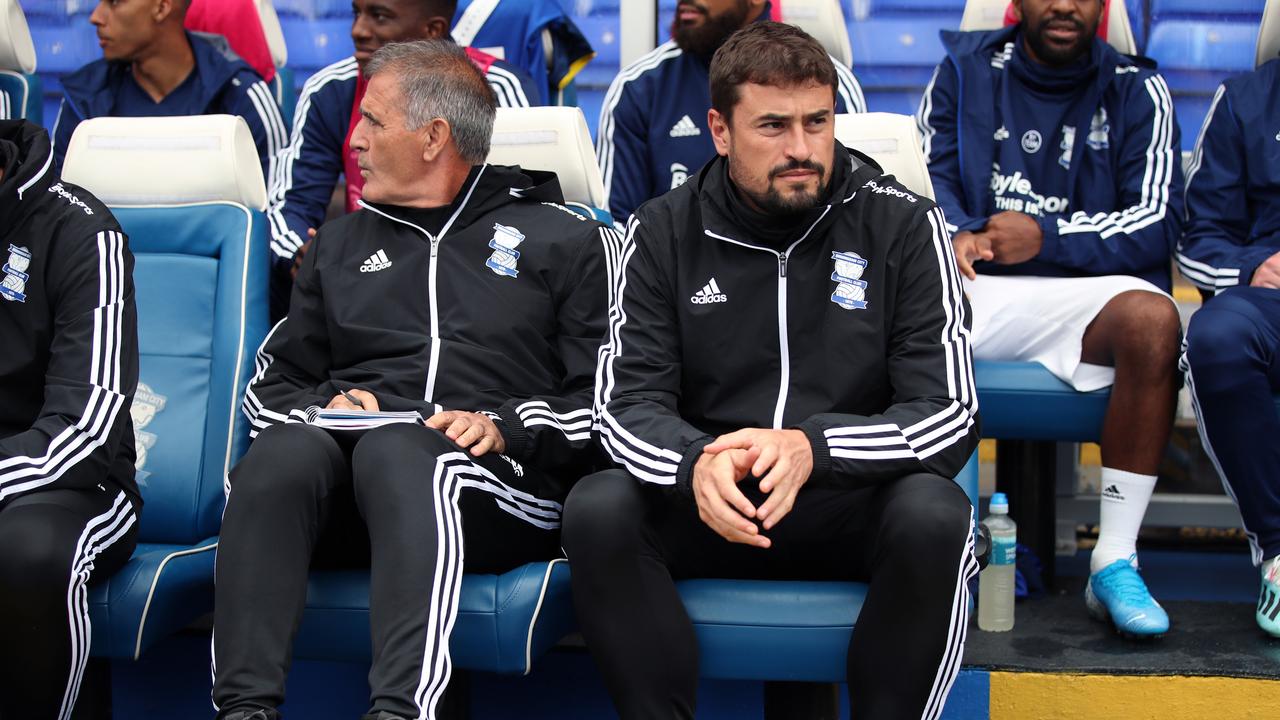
(1040,319)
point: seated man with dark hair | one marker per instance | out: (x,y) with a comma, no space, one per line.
(152,66)
(653,133)
(786,383)
(463,291)
(68,500)
(1232,248)
(1055,159)
(328,109)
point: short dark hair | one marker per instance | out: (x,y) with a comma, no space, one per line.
(443,8)
(767,53)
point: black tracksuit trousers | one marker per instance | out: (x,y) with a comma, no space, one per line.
(395,499)
(910,537)
(53,543)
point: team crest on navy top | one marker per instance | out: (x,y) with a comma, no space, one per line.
(14,285)
(505,256)
(851,289)
(1098,130)
(1031,142)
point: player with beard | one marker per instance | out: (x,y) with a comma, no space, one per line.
(1055,159)
(653,131)
(786,385)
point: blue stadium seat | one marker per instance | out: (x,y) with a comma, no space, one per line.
(312,9)
(882,8)
(19,88)
(1024,401)
(199,239)
(889,100)
(1162,10)
(1191,111)
(314,44)
(64,47)
(898,52)
(24,92)
(601,31)
(1195,56)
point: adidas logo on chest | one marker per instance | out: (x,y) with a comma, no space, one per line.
(685,128)
(710,293)
(377,261)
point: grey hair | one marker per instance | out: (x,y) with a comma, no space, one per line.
(438,80)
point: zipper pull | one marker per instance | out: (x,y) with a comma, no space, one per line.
(435,246)
(782,265)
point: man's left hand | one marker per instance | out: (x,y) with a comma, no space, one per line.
(1015,237)
(469,430)
(784,466)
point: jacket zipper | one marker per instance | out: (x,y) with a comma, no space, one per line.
(784,350)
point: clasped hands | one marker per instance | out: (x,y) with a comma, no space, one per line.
(474,431)
(782,459)
(1009,238)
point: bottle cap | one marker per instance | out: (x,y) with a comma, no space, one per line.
(999,503)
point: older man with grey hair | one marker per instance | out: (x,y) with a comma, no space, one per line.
(434,373)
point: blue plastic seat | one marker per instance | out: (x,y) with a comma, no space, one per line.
(1024,401)
(200,279)
(1163,10)
(1195,56)
(65,46)
(313,44)
(882,8)
(898,52)
(24,94)
(602,31)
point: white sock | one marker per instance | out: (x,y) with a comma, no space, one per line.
(1125,496)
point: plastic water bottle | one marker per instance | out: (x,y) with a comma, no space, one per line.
(995,584)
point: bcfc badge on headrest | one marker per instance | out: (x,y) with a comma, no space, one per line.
(851,289)
(14,285)
(505,256)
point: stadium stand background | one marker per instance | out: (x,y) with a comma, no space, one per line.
(895,45)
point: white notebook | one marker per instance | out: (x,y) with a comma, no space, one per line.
(358,419)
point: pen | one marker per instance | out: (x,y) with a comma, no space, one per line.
(352,399)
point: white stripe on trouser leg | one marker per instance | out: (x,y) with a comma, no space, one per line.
(436,666)
(455,472)
(99,533)
(1255,548)
(954,652)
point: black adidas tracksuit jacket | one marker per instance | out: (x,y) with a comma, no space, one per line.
(68,330)
(856,332)
(501,311)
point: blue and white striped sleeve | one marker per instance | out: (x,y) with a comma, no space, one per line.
(1214,253)
(848,90)
(91,376)
(1141,231)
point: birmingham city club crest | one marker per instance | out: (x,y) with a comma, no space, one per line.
(146,404)
(851,289)
(505,256)
(14,285)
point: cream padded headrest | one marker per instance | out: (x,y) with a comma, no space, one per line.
(17,52)
(824,20)
(1269,33)
(166,160)
(891,140)
(989,15)
(273,32)
(554,139)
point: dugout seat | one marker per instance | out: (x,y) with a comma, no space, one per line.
(20,95)
(554,139)
(192,205)
(504,621)
(1268,34)
(824,20)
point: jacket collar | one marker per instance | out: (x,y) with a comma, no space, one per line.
(92,90)
(33,174)
(712,189)
(487,188)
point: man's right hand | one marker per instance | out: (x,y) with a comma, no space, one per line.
(721,505)
(1267,274)
(366,398)
(302,252)
(969,248)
